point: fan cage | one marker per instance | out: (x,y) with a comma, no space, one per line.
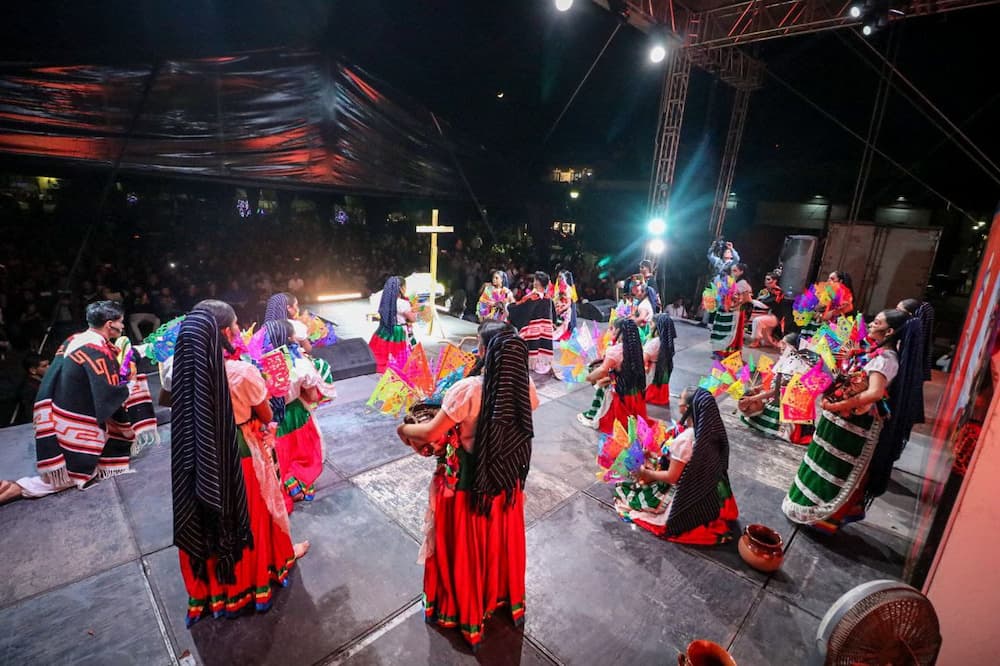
(896,626)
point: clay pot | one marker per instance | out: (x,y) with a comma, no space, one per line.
(762,548)
(705,653)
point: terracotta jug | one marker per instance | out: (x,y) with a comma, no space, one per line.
(705,653)
(762,548)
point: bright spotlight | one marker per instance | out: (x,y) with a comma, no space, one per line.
(656,246)
(657,53)
(867,30)
(855,11)
(564,5)
(656,226)
(574,194)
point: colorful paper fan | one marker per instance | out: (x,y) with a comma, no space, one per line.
(415,370)
(159,345)
(621,454)
(276,366)
(573,357)
(392,395)
(321,331)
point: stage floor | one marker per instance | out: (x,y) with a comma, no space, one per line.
(92,577)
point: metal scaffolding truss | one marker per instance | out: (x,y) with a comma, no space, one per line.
(668,135)
(728,167)
(722,24)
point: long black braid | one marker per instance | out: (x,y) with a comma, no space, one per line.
(631,376)
(666,332)
(387,306)
(906,401)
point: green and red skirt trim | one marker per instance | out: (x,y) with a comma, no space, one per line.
(478,562)
(658,390)
(300,453)
(621,408)
(396,345)
(261,569)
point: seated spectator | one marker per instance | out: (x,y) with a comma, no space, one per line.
(676,309)
(34,367)
(141,311)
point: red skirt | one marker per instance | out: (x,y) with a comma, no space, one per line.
(261,568)
(300,453)
(620,410)
(478,562)
(712,534)
(382,348)
(658,394)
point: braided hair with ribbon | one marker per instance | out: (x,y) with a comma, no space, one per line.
(905,402)
(505,429)
(277,306)
(630,377)
(209,496)
(666,332)
(387,306)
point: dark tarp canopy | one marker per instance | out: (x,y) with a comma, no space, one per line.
(273,117)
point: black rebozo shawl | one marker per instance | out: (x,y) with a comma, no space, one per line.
(696,501)
(210,501)
(505,429)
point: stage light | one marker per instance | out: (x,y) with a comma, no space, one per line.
(330,298)
(500,94)
(564,5)
(574,194)
(855,11)
(656,226)
(867,30)
(656,246)
(657,53)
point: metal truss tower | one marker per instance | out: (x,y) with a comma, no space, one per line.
(728,167)
(668,135)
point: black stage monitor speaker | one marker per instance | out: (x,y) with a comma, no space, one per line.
(596,310)
(796,261)
(348,358)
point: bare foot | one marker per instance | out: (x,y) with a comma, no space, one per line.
(300,549)
(9,491)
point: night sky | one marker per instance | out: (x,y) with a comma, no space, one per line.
(455,56)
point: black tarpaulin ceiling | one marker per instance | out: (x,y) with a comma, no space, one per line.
(287,118)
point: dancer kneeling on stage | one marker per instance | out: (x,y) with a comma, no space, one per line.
(474,547)
(688,499)
(230,522)
(762,410)
(90,417)
(620,380)
(392,337)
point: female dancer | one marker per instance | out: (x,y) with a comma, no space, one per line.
(285,306)
(565,303)
(792,361)
(392,337)
(299,441)
(765,317)
(689,498)
(230,523)
(833,311)
(727,330)
(495,298)
(473,550)
(658,354)
(850,459)
(620,381)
